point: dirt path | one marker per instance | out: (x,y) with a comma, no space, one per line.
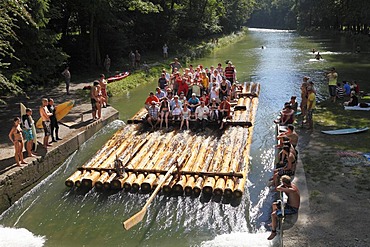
(339,195)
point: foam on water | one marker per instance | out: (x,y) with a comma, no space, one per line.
(245,239)
(19,237)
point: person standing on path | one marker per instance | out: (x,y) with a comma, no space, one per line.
(165,51)
(137,59)
(103,86)
(15,135)
(333,79)
(107,64)
(292,205)
(67,78)
(45,116)
(53,121)
(311,104)
(27,123)
(131,57)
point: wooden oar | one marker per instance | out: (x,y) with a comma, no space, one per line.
(140,215)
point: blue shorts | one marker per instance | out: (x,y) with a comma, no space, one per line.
(28,135)
(288,210)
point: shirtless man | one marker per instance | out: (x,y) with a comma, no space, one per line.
(45,115)
(292,205)
(103,86)
(290,134)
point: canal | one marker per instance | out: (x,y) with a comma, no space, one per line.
(59,216)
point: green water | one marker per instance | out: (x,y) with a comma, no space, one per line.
(73,218)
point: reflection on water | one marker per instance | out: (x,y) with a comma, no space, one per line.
(75,218)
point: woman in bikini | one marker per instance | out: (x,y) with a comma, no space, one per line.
(185,116)
(15,135)
(165,111)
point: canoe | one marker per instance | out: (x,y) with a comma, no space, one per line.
(23,111)
(118,77)
(61,111)
(344,131)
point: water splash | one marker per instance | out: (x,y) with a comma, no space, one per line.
(19,237)
(242,239)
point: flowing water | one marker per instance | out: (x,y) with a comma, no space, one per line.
(54,215)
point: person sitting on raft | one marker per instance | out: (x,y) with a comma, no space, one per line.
(150,99)
(294,103)
(201,114)
(292,205)
(224,110)
(165,112)
(153,114)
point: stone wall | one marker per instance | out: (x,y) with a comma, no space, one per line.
(18,181)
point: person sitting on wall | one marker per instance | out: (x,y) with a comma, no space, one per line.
(292,205)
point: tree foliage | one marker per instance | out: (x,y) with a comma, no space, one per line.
(351,15)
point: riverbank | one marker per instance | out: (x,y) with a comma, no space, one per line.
(337,181)
(74,130)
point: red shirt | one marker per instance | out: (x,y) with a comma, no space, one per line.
(183,87)
(149,100)
(225,105)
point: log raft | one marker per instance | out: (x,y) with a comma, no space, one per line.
(214,163)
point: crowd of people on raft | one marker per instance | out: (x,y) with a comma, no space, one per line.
(202,94)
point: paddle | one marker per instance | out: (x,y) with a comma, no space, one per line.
(140,215)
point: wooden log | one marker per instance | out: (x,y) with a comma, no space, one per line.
(118,182)
(99,155)
(107,183)
(139,155)
(70,182)
(158,153)
(203,159)
(178,188)
(99,184)
(118,143)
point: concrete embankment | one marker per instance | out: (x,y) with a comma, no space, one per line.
(15,181)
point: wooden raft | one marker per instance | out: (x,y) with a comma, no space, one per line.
(209,164)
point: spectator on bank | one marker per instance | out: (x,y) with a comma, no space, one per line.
(175,64)
(332,82)
(16,137)
(107,64)
(347,88)
(165,51)
(27,123)
(291,207)
(45,116)
(54,126)
(67,78)
(353,101)
(311,104)
(103,87)
(339,91)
